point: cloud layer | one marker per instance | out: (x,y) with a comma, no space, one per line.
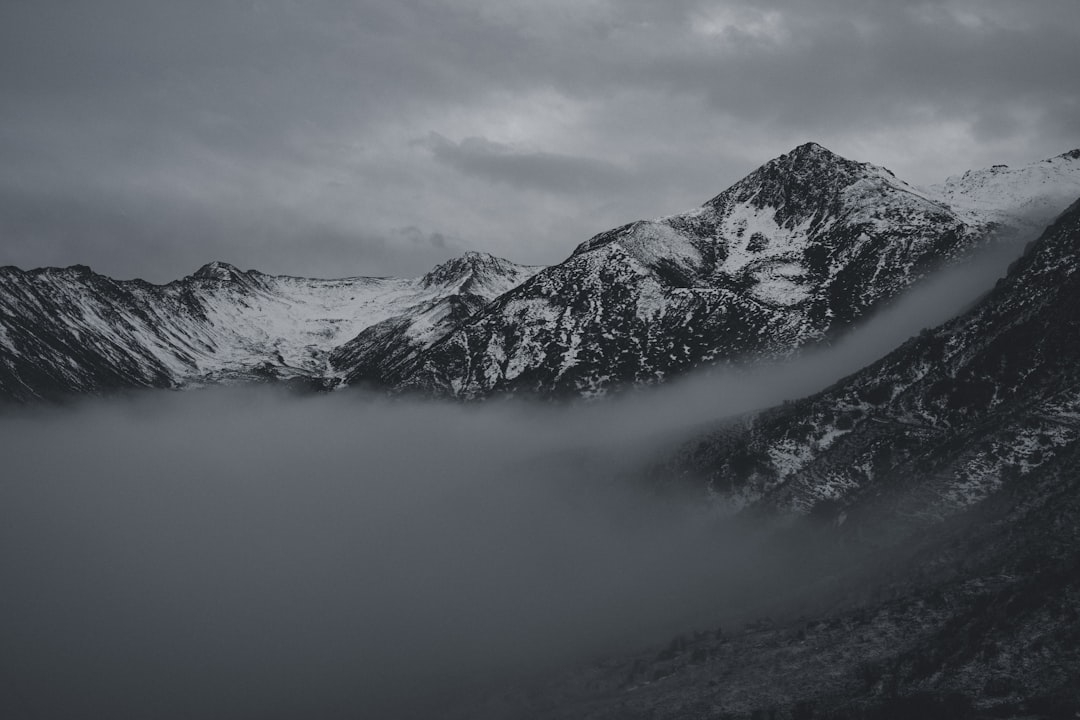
(239,552)
(247,554)
(145,138)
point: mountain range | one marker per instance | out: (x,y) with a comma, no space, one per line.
(70,330)
(792,255)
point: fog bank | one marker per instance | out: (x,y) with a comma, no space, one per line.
(242,553)
(247,553)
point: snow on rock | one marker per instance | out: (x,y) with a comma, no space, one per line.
(796,252)
(1023,199)
(71,330)
(941,423)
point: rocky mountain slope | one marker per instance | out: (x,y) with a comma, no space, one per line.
(798,250)
(937,425)
(974,617)
(70,330)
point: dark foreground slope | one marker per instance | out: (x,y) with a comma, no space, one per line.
(977,617)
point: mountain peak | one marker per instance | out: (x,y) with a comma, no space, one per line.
(811,154)
(1071,155)
(798,184)
(82,270)
(467,267)
(218,270)
(812,149)
(477,273)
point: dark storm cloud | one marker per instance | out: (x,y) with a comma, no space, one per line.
(267,125)
(545,171)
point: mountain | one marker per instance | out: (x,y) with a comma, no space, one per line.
(71,330)
(461,287)
(938,424)
(794,253)
(1021,200)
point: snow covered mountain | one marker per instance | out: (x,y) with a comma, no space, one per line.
(794,253)
(460,287)
(800,249)
(71,330)
(1022,200)
(937,425)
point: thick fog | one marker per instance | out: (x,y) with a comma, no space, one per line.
(248,553)
(242,553)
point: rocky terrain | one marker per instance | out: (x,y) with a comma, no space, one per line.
(70,331)
(938,424)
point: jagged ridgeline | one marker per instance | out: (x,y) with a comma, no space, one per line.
(71,330)
(798,250)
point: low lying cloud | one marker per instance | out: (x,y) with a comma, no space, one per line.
(240,553)
(247,553)
(550,172)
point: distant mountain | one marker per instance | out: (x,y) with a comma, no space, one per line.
(1021,200)
(460,287)
(797,251)
(71,330)
(794,253)
(935,426)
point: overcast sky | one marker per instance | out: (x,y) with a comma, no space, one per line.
(146,138)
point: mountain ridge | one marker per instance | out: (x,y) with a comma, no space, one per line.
(788,256)
(791,255)
(991,392)
(61,329)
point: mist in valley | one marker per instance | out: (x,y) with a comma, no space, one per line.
(245,552)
